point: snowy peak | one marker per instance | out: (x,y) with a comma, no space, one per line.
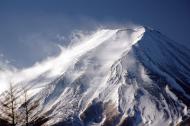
(131,77)
(115,77)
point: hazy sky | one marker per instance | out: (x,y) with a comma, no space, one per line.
(30,29)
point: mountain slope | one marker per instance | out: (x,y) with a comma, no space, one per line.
(134,77)
(120,77)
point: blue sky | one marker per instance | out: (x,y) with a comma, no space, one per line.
(30,29)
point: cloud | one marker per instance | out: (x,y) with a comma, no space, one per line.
(6,72)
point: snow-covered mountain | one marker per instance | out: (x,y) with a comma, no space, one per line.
(120,77)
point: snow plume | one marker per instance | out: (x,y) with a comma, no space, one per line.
(109,43)
(6,72)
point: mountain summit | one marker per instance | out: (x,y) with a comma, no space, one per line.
(121,77)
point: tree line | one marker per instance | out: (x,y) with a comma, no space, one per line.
(18,109)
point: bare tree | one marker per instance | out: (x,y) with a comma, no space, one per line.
(25,106)
(9,105)
(17,108)
(31,111)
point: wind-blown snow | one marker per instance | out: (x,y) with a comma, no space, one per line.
(49,69)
